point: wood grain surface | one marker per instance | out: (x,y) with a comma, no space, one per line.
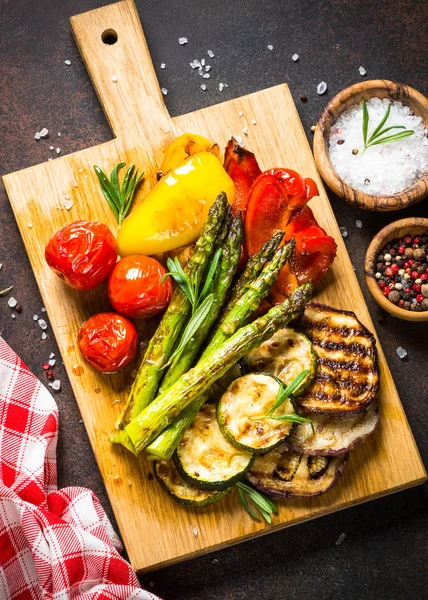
(155,530)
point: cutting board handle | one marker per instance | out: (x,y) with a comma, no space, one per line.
(112,44)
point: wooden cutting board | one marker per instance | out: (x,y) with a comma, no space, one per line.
(157,531)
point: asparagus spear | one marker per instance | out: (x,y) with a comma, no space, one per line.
(160,413)
(162,343)
(236,315)
(222,281)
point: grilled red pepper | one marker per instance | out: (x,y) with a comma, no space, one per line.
(274,196)
(241,166)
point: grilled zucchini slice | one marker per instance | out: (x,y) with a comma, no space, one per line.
(347,377)
(182,491)
(286,354)
(241,413)
(285,474)
(205,458)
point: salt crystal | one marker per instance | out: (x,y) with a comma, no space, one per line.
(13,316)
(44,336)
(42,324)
(384,168)
(35,318)
(29,224)
(210,53)
(81,421)
(340,539)
(43,309)
(67,62)
(164,91)
(362,71)
(1,266)
(52,355)
(182,41)
(207,68)
(50,158)
(221,87)
(195,531)
(245,131)
(206,75)
(344,232)
(192,64)
(37,136)
(44,132)
(203,62)
(240,114)
(402,353)
(254,122)
(270,47)
(203,87)
(163,65)
(359,224)
(12,302)
(59,134)
(295,57)
(51,147)
(52,362)
(114,78)
(58,150)
(56,385)
(68,203)
(197,63)
(321,88)
(215,561)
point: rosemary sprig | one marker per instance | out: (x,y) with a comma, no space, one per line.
(119,197)
(265,506)
(375,138)
(287,392)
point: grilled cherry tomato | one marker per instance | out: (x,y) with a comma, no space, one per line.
(108,342)
(82,254)
(135,287)
(241,166)
(274,196)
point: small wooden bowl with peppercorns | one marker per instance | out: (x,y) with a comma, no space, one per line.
(398,257)
(350,97)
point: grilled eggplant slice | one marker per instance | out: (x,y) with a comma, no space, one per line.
(283,473)
(347,377)
(285,355)
(205,458)
(333,435)
(182,491)
(241,413)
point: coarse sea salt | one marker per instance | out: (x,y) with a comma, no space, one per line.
(384,168)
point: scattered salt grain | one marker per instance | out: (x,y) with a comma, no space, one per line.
(313,128)
(245,131)
(58,150)
(254,122)
(42,324)
(13,316)
(203,87)
(52,362)
(67,62)
(240,114)
(402,353)
(51,147)
(12,302)
(29,224)
(44,132)
(43,309)
(59,134)
(164,91)
(359,224)
(195,531)
(210,53)
(321,88)
(182,41)
(37,136)
(44,336)
(52,355)
(221,87)
(344,232)
(362,71)
(114,78)
(384,168)
(206,75)
(50,158)
(270,47)
(67,203)
(215,561)
(239,139)
(207,68)
(202,62)
(163,65)
(340,539)
(56,385)
(35,318)
(295,57)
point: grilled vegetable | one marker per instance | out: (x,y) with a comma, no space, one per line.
(205,458)
(333,435)
(170,479)
(243,409)
(241,166)
(282,473)
(160,413)
(347,377)
(285,355)
(162,343)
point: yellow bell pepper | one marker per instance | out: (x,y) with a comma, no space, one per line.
(174,211)
(184,146)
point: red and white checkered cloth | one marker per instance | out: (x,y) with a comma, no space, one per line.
(54,544)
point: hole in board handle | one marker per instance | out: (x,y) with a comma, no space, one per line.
(109,37)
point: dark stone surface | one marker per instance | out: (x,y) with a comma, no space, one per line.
(383,555)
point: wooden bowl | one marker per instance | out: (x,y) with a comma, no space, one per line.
(378,88)
(412,226)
